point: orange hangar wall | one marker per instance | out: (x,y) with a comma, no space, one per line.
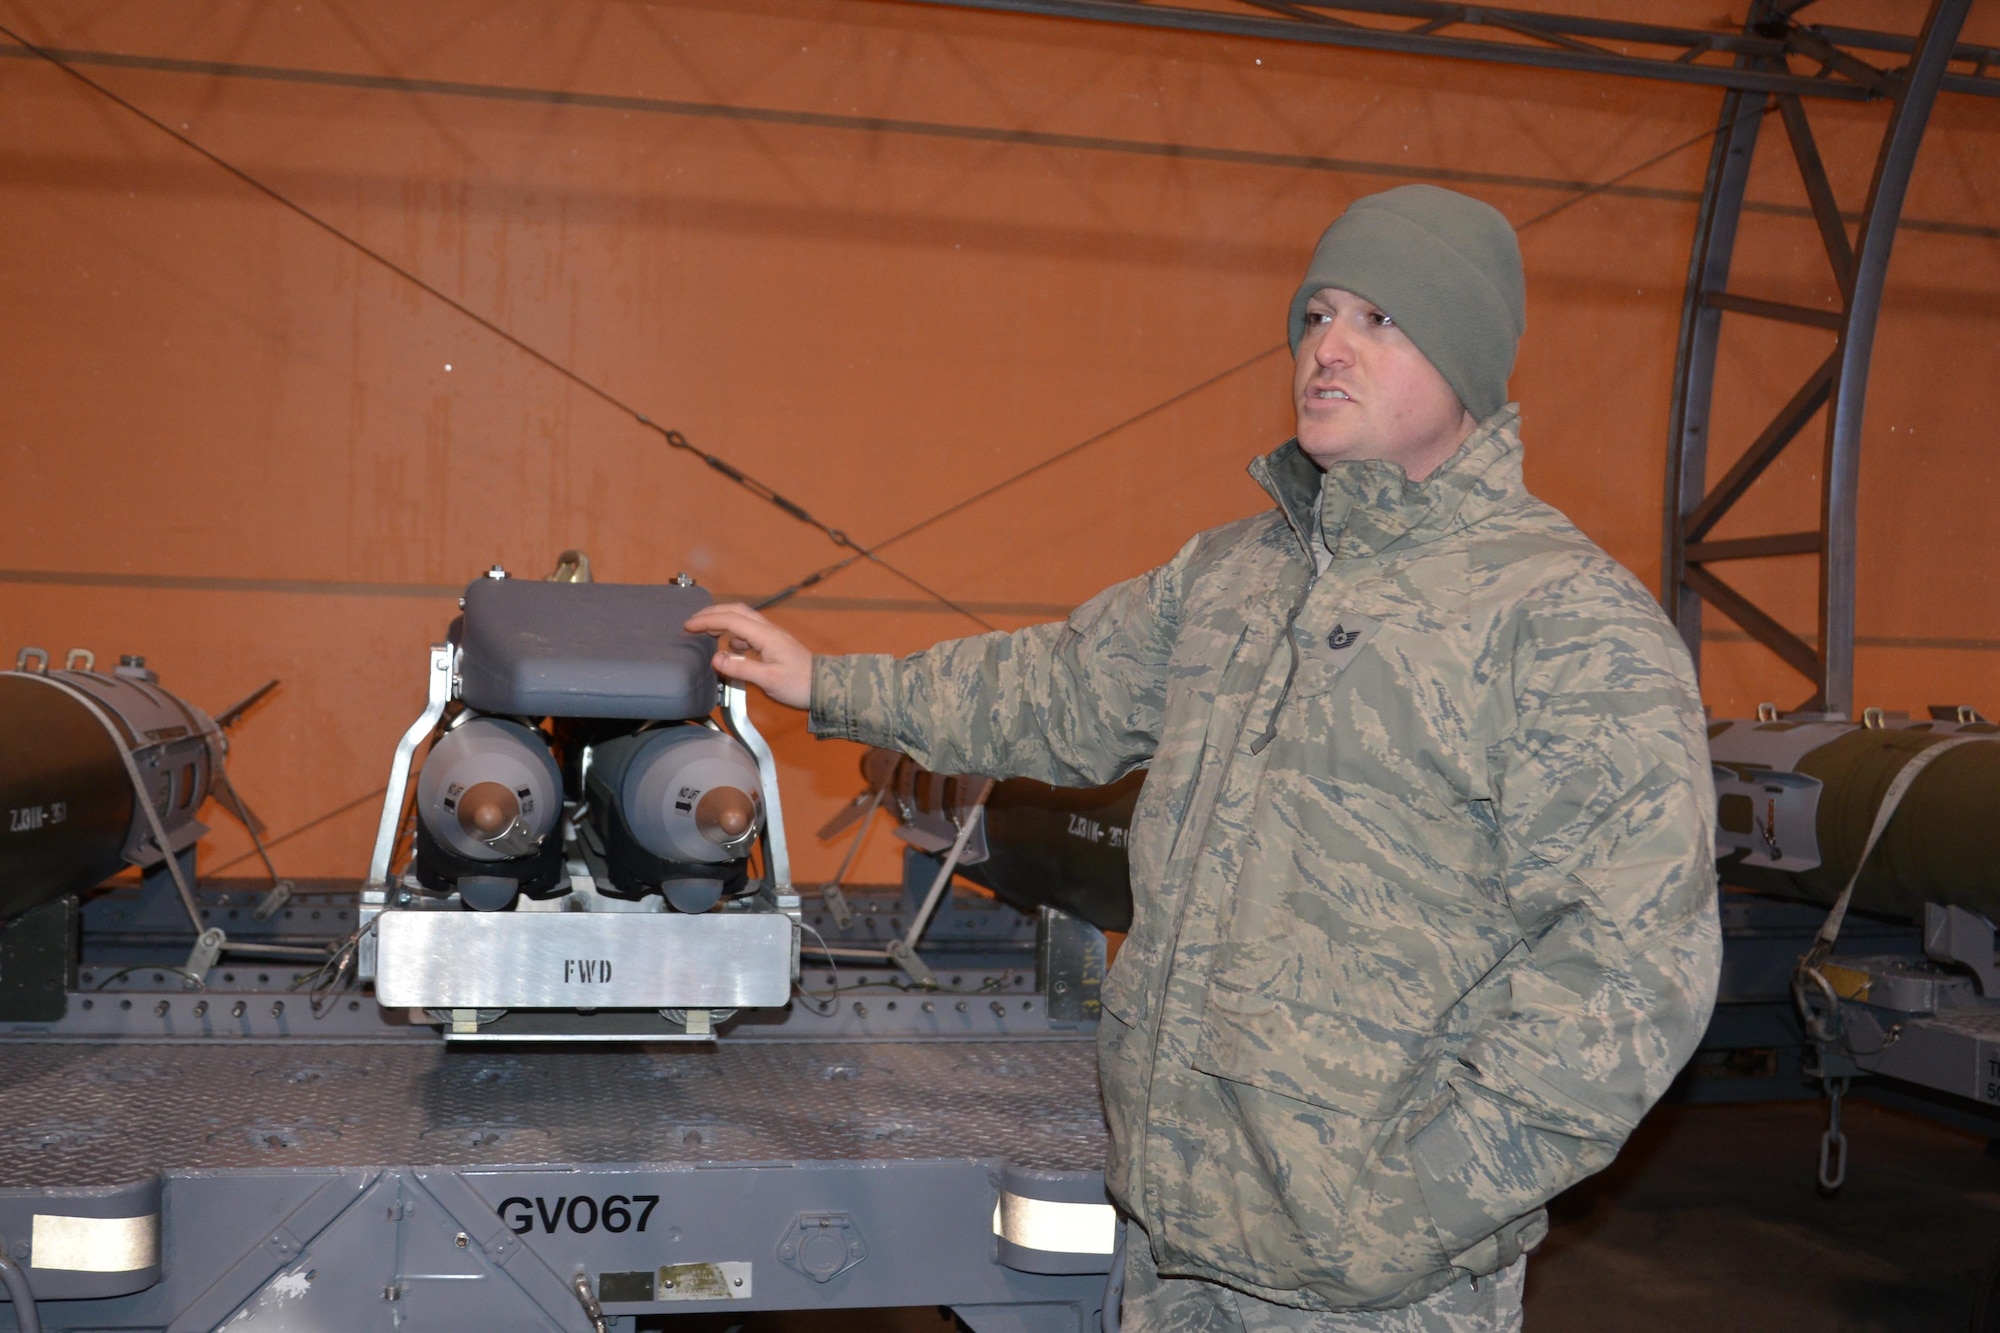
(883,257)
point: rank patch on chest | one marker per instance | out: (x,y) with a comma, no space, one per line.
(1347,637)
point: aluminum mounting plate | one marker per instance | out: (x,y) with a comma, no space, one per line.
(582,960)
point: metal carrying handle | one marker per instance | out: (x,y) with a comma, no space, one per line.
(443,681)
(736,708)
(22,658)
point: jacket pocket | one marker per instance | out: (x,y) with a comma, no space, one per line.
(1365,1066)
(1300,1184)
(1120,996)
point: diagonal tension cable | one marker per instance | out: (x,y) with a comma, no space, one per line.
(1029,471)
(1767,106)
(673,438)
(827,571)
(295,831)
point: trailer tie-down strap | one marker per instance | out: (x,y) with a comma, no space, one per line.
(1822,1017)
(1899,787)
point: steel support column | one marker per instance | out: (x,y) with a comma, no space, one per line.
(1693,507)
(1842,472)
(1701,329)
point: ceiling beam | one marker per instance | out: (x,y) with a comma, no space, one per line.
(1829,66)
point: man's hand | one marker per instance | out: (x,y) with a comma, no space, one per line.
(750,648)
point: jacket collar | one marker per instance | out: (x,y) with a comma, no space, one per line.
(1371,507)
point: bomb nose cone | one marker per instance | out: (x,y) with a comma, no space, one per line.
(724,814)
(487,810)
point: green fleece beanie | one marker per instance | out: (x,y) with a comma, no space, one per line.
(1445,267)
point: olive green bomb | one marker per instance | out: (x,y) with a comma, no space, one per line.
(1446,268)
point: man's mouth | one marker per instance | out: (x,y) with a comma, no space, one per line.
(1336,395)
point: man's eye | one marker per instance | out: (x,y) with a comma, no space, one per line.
(1380,320)
(1318,317)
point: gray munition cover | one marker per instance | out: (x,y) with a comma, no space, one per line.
(537,649)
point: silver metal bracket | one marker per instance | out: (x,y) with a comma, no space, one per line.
(1784,817)
(442,685)
(736,707)
(207,949)
(1965,939)
(836,905)
(903,956)
(448,959)
(274,898)
(372,903)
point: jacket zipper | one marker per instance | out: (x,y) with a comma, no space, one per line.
(1158,1005)
(1172,950)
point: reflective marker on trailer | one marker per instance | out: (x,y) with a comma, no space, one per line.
(95,1244)
(1059,1228)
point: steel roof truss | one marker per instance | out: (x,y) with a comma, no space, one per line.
(1838,384)
(1762,53)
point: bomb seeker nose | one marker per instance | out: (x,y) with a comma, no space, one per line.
(487,809)
(724,814)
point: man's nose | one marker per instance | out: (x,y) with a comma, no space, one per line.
(1336,344)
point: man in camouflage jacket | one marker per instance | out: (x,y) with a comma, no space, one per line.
(1424,899)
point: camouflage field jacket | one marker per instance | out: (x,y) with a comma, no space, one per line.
(1425,907)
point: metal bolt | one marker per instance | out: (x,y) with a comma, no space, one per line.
(929,1008)
(861,1009)
(161,1008)
(667,1283)
(237,1011)
(461,1240)
(496,573)
(962,1006)
(200,1008)
(738,1282)
(997,1007)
